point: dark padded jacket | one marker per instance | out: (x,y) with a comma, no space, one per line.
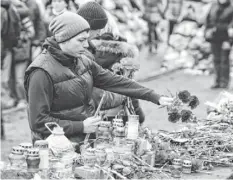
(107,52)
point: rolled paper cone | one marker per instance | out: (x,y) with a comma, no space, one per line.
(96,113)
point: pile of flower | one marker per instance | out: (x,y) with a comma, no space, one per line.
(205,144)
(181,107)
(222,108)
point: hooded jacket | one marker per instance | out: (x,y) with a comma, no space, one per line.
(107,52)
(72,80)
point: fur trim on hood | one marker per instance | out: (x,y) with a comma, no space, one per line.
(116,47)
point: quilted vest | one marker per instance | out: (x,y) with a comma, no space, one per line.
(72,88)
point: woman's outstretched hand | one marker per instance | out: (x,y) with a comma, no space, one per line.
(165,101)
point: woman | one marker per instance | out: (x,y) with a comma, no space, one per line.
(60,81)
(218,24)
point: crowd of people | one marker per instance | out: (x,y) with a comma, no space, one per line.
(60,56)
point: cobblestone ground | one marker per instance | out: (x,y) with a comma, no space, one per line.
(17,128)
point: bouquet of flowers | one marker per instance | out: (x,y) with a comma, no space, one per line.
(181,107)
(222,107)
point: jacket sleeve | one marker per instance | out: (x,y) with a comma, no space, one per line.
(104,79)
(40,97)
(110,101)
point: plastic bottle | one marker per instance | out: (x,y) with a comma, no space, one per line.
(61,152)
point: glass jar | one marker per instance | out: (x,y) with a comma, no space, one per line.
(117,123)
(101,155)
(119,135)
(26,146)
(187,166)
(131,145)
(176,168)
(33,160)
(43,147)
(177,162)
(151,157)
(176,171)
(89,158)
(126,128)
(104,130)
(17,158)
(120,132)
(133,127)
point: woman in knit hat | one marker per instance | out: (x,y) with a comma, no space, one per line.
(108,51)
(60,81)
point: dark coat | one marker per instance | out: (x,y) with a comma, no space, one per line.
(219,19)
(107,53)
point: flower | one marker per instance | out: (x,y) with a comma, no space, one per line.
(186,115)
(184,96)
(174,117)
(194,102)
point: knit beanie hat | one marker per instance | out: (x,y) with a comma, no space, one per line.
(94,14)
(67,25)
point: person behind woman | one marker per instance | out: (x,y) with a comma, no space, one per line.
(59,82)
(109,49)
(218,24)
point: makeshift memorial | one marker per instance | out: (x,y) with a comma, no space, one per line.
(196,147)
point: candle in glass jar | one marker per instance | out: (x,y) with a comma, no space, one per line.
(43,147)
(133,125)
(17,158)
(187,166)
(33,160)
(26,146)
